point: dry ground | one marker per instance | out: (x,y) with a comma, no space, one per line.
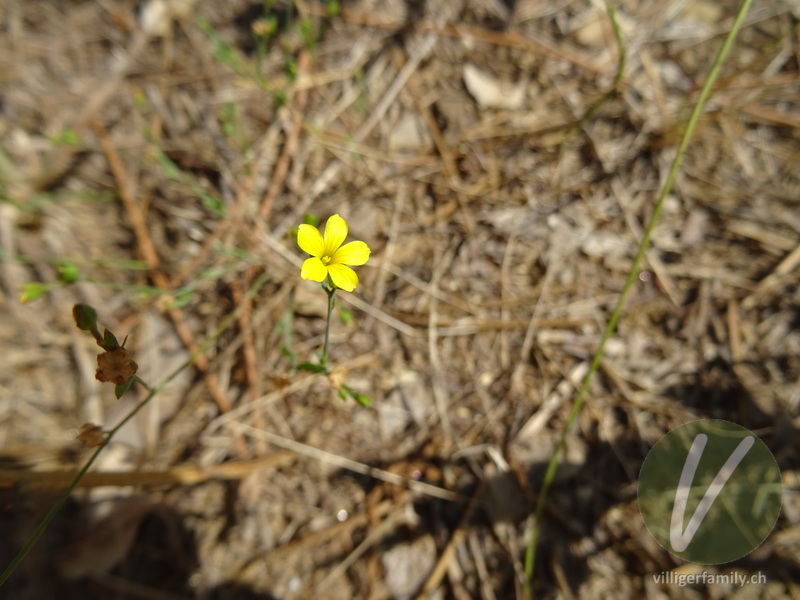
(167,152)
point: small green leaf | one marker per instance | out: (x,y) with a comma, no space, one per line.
(119,390)
(363,400)
(311,367)
(146,292)
(170,169)
(109,341)
(181,300)
(345,316)
(346,391)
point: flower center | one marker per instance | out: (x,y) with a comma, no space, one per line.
(325,260)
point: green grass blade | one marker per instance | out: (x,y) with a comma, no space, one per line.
(530,556)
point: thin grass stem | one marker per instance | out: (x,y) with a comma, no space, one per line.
(580,399)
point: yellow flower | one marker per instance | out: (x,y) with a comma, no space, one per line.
(328,256)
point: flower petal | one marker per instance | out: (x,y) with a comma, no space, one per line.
(310,240)
(335,232)
(313,269)
(343,277)
(354,253)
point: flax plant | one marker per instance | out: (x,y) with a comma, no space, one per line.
(114,365)
(329,264)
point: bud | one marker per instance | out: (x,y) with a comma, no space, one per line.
(67,272)
(85,317)
(91,436)
(31,291)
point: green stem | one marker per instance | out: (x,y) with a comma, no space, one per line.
(324,359)
(549,477)
(51,514)
(40,529)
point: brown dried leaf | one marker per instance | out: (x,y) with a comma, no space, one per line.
(115,366)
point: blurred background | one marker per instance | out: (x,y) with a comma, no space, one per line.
(155,160)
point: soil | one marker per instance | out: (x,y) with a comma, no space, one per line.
(156,160)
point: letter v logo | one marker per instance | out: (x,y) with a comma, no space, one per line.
(678,537)
(710,491)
